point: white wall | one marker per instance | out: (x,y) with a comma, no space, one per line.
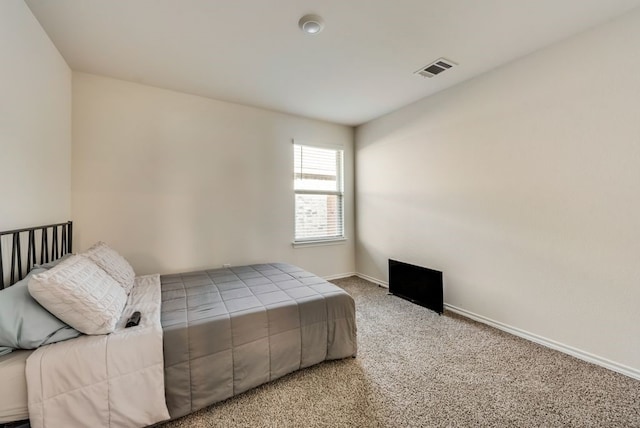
(35,123)
(523,186)
(178,182)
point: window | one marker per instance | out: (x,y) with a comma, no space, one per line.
(319,193)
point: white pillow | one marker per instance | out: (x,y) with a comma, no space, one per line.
(113,263)
(80,294)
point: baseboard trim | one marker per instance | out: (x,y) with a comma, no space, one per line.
(384,284)
(339,276)
(574,352)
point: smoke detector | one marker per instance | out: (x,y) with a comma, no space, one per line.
(311,24)
(435,68)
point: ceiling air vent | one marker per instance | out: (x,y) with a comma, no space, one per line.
(436,67)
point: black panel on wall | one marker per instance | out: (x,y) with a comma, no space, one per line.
(417,284)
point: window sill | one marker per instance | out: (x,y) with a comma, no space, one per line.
(319,243)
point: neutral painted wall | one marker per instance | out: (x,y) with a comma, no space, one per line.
(523,186)
(178,182)
(35,123)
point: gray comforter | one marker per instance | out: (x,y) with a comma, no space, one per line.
(229,330)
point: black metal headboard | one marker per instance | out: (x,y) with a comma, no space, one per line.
(49,242)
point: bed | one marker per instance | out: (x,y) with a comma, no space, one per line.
(224,331)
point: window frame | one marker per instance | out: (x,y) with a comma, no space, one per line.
(340,193)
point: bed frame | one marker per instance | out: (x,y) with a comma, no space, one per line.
(40,244)
(49,242)
(324,312)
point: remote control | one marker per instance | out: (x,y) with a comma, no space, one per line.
(134,320)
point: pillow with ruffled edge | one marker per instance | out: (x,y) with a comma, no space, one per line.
(113,263)
(81,294)
(24,323)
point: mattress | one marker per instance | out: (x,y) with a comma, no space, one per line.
(13,393)
(229,330)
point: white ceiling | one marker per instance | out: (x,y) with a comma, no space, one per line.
(360,67)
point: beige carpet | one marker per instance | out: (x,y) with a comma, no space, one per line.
(417,369)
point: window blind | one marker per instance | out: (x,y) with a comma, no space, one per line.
(319,193)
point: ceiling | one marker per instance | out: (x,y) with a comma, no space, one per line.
(358,68)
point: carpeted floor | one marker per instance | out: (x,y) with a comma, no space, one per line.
(417,369)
